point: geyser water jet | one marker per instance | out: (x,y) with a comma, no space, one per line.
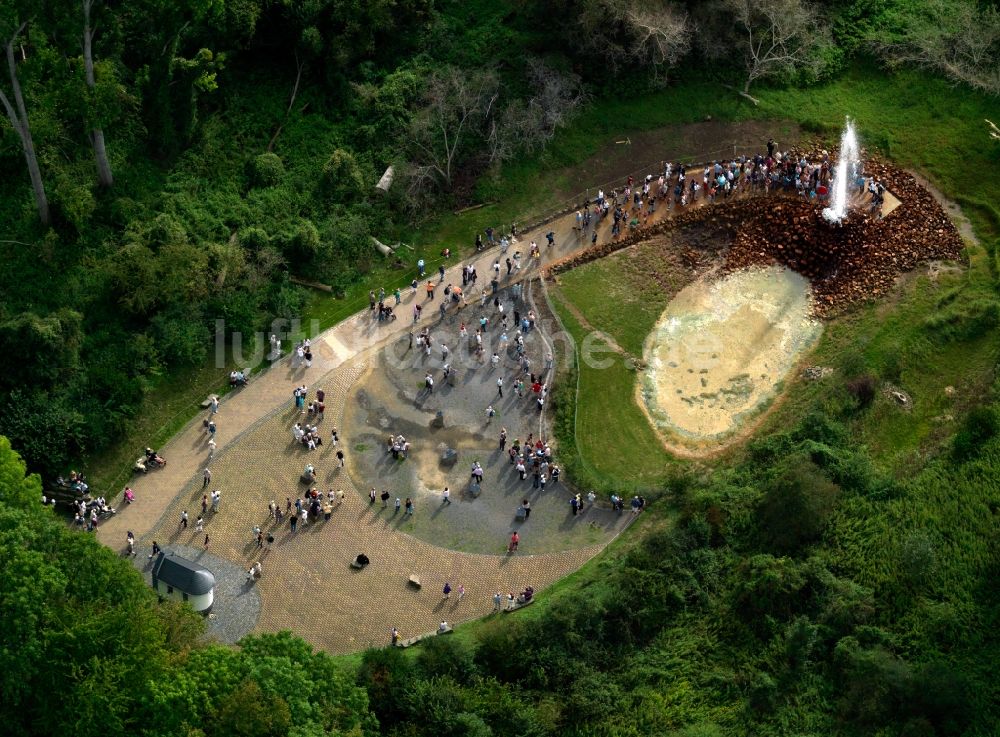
(843,175)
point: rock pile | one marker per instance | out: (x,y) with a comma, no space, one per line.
(852,262)
(856,261)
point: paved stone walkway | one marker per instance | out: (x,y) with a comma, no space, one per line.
(308,585)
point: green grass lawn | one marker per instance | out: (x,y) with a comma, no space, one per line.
(625,293)
(616,445)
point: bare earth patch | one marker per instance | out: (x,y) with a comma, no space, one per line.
(720,351)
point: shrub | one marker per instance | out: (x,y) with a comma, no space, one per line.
(387,674)
(862,388)
(446,656)
(48,435)
(769,587)
(181,336)
(593,697)
(875,682)
(47,348)
(981,425)
(305,243)
(917,559)
(253,239)
(265,170)
(343,179)
(797,505)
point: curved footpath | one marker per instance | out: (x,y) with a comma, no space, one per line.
(307,585)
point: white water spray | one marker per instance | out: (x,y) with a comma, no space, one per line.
(843,175)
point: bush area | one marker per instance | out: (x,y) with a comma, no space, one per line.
(836,576)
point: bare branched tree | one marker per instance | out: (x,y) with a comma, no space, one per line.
(557,95)
(656,35)
(457,105)
(776,38)
(529,125)
(17,113)
(514,130)
(959,38)
(662,34)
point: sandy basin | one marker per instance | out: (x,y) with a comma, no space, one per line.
(721,348)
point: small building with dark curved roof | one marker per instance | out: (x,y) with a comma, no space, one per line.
(178,578)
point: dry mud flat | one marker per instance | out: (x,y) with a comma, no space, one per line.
(720,350)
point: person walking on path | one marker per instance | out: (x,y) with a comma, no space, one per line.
(497,601)
(461,591)
(216,499)
(446,496)
(204,503)
(447,590)
(503,438)
(398,505)
(371,496)
(385,498)
(215,405)
(199,524)
(293,521)
(408,507)
(515,540)
(184,520)
(206,542)
(527,508)
(340,458)
(206,476)
(499,385)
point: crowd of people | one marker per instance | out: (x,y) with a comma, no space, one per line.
(680,185)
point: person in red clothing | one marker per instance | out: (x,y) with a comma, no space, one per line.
(514,540)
